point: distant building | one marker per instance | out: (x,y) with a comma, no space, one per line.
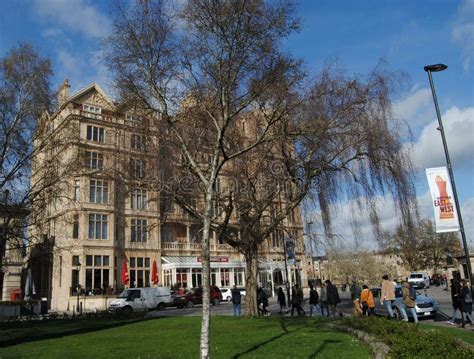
(103,213)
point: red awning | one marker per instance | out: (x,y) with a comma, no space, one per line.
(125,279)
(154,273)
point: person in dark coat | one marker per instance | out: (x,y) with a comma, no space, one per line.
(296,300)
(455,289)
(236,300)
(282,301)
(465,300)
(333,298)
(314,302)
(263,301)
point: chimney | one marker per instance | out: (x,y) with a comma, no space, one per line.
(63,93)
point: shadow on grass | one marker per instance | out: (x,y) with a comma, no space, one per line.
(286,331)
(69,328)
(322,346)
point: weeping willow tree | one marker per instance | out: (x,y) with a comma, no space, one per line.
(340,142)
(351,143)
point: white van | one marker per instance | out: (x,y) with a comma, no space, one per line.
(142,299)
(419,280)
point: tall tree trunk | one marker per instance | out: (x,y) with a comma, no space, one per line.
(206,312)
(251,283)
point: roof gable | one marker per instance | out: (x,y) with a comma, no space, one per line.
(93,95)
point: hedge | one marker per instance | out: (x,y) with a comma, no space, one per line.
(407,340)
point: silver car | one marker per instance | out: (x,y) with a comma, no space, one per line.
(426,307)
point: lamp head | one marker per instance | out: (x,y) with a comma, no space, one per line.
(435,68)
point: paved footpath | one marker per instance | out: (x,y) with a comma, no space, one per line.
(225,308)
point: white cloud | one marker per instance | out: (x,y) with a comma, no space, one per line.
(459,129)
(463,31)
(409,108)
(467,211)
(77,16)
(388,220)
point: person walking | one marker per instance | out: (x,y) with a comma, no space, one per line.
(282,301)
(314,302)
(388,295)
(367,301)
(263,300)
(455,290)
(323,298)
(236,301)
(333,298)
(355,297)
(465,300)
(296,300)
(409,301)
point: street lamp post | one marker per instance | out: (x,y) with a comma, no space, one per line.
(436,68)
(78,288)
(310,235)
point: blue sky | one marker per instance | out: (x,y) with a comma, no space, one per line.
(406,34)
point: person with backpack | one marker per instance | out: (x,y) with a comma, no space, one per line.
(355,297)
(409,301)
(313,301)
(465,299)
(333,298)
(367,301)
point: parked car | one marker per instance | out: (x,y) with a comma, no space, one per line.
(419,280)
(227,294)
(177,300)
(194,296)
(142,299)
(426,307)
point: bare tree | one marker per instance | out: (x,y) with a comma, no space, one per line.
(222,62)
(341,142)
(422,248)
(24,96)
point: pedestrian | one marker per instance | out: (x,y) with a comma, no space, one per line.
(388,295)
(323,298)
(367,301)
(296,301)
(314,301)
(355,297)
(236,301)
(333,298)
(262,300)
(455,290)
(409,301)
(465,300)
(282,301)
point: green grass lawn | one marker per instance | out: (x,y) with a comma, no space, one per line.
(178,337)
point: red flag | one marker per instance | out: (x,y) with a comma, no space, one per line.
(125,279)
(154,273)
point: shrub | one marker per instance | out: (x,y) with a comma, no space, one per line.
(407,340)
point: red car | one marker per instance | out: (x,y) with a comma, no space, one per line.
(194,296)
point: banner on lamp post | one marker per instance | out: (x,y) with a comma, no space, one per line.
(290,251)
(446,217)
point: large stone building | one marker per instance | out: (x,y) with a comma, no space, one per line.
(100,213)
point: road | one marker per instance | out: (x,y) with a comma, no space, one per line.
(225,308)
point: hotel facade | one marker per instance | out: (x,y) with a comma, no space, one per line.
(101,213)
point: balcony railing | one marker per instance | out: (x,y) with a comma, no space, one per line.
(194,246)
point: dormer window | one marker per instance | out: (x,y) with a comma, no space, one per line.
(92,111)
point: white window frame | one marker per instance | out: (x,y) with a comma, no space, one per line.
(138,230)
(95,134)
